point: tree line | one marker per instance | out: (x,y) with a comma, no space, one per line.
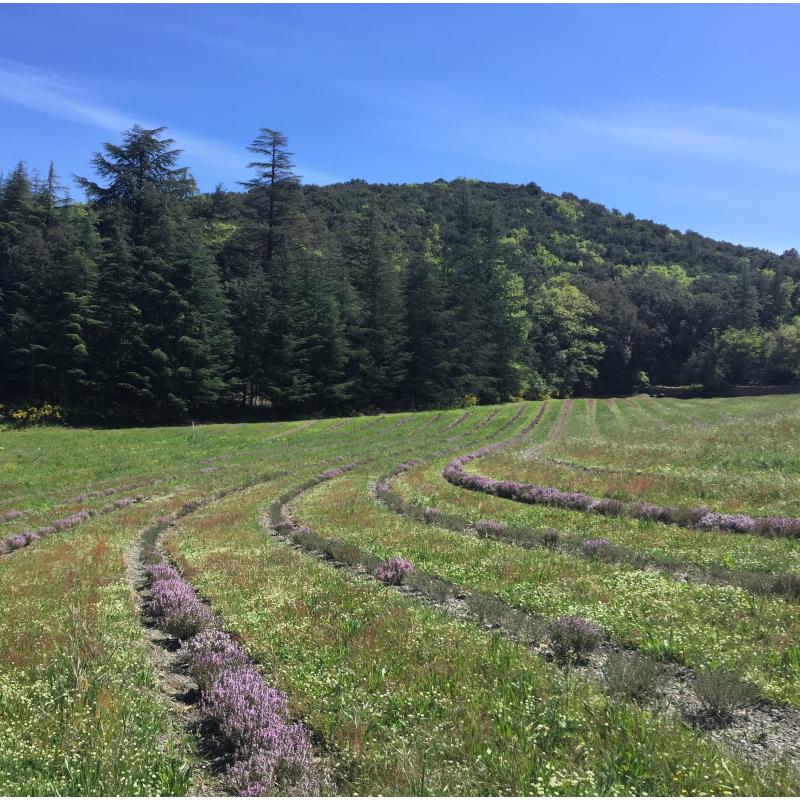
(150,301)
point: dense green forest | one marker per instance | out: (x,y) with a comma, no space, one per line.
(151,301)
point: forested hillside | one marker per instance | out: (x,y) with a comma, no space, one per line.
(153,302)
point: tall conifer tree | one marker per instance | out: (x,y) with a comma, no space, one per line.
(162,343)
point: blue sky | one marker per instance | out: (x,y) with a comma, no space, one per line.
(687,115)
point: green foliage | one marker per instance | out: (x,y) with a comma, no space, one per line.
(632,676)
(785,353)
(567,208)
(722,693)
(154,302)
(160,338)
(31,416)
(674,272)
(563,348)
(733,357)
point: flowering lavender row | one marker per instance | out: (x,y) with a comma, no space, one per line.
(701,518)
(104,493)
(175,604)
(782,584)
(272,755)
(334,472)
(7,516)
(20,540)
(456,465)
(394,571)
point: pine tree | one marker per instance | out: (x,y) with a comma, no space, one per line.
(162,343)
(377,331)
(426,322)
(65,296)
(258,263)
(23,256)
(274,191)
(316,348)
(488,327)
(46,263)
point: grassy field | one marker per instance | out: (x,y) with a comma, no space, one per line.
(453,681)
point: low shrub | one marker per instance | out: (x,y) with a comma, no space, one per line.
(433,588)
(550,537)
(486,608)
(596,547)
(285,768)
(490,528)
(274,753)
(17,542)
(161,572)
(394,571)
(342,552)
(572,638)
(175,604)
(779,526)
(787,585)
(430,514)
(608,506)
(31,416)
(722,693)
(739,523)
(212,651)
(524,627)
(632,676)
(306,538)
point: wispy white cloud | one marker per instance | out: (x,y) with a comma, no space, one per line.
(739,137)
(54,95)
(530,135)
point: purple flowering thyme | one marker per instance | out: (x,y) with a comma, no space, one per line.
(394,571)
(175,604)
(595,547)
(273,754)
(210,652)
(740,523)
(490,527)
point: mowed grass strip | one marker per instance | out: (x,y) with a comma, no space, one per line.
(410,701)
(703,626)
(79,712)
(735,455)
(42,467)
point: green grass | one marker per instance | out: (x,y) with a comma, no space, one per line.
(413,702)
(424,486)
(699,625)
(79,714)
(737,455)
(406,699)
